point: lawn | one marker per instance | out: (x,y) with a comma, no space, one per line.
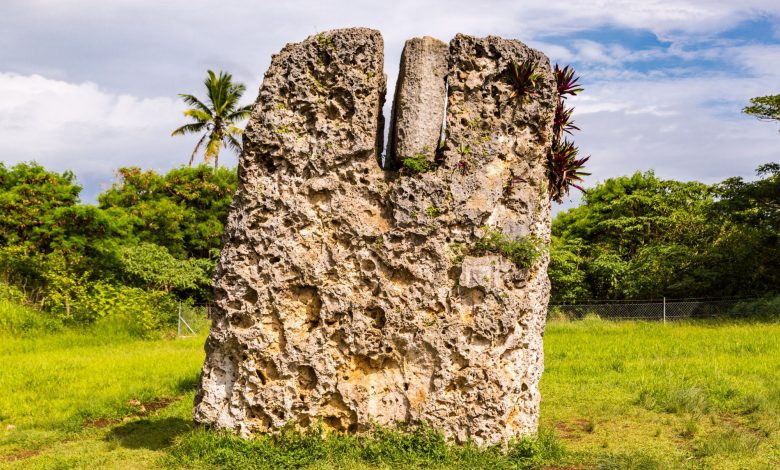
(615,395)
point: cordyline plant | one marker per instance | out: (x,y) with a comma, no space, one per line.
(563,122)
(564,167)
(523,78)
(567,82)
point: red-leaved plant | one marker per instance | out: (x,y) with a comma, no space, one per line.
(523,78)
(564,167)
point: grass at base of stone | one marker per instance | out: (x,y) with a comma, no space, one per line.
(416,447)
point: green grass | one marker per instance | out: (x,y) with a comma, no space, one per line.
(666,394)
(615,395)
(62,393)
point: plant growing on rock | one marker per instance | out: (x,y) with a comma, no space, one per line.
(566,81)
(563,122)
(523,251)
(418,164)
(523,78)
(564,167)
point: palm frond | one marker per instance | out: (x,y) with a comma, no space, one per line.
(197,147)
(233,143)
(195,102)
(240,114)
(192,128)
(234,130)
(198,114)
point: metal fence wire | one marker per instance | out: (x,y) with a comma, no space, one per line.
(652,310)
(192,319)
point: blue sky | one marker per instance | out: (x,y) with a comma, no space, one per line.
(91,85)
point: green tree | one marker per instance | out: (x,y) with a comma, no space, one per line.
(151,265)
(29,195)
(639,236)
(566,271)
(217,119)
(747,252)
(634,237)
(183,210)
(765,108)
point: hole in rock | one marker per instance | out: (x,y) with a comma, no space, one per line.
(307,378)
(367,265)
(378,316)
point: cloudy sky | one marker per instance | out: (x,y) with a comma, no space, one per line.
(91,85)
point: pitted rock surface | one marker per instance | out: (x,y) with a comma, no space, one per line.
(340,294)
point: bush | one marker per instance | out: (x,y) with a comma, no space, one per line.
(19,319)
(767,308)
(523,251)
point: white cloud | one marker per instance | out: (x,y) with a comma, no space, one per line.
(143,52)
(81,127)
(674,127)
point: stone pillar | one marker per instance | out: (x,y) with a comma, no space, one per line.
(291,301)
(418,107)
(353,295)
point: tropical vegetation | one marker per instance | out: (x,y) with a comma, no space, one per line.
(765,108)
(151,240)
(215,119)
(640,237)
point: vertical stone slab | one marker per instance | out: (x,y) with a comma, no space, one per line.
(496,153)
(418,107)
(473,322)
(309,183)
(354,296)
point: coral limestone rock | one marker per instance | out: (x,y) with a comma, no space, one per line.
(349,295)
(420,94)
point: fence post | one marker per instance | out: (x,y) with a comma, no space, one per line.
(178,323)
(664,310)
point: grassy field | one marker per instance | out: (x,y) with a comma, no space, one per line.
(615,395)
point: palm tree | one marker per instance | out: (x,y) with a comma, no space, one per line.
(217,119)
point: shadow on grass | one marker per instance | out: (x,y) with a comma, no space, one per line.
(152,434)
(188,383)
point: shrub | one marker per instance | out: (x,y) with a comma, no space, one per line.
(523,251)
(19,319)
(762,308)
(418,164)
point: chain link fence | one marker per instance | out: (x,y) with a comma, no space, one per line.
(666,309)
(193,319)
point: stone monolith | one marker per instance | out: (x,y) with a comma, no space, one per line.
(351,296)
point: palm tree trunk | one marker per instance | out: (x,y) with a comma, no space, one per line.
(195,152)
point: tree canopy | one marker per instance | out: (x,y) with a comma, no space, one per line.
(765,108)
(150,239)
(639,236)
(216,119)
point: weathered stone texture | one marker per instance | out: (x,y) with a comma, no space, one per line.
(339,292)
(418,107)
